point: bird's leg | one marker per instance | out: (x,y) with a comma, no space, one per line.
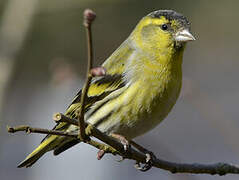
(149,157)
(122,140)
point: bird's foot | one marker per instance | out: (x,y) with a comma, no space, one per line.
(98,71)
(150,157)
(122,140)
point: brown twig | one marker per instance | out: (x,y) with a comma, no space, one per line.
(29,130)
(92,131)
(117,148)
(59,117)
(89,17)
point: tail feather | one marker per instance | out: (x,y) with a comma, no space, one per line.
(64,146)
(44,147)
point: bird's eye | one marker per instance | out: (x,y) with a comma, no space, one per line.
(164,27)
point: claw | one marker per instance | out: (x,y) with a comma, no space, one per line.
(149,162)
(122,140)
(121,159)
(146,167)
(126,146)
(137,166)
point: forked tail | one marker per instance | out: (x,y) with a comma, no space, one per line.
(44,147)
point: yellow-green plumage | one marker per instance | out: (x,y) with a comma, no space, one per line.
(142,84)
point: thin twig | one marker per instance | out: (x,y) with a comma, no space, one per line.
(89,17)
(29,130)
(117,148)
(92,131)
(59,117)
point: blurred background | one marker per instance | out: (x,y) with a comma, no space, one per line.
(42,66)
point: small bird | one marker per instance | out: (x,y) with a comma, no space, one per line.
(142,84)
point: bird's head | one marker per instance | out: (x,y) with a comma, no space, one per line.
(163,29)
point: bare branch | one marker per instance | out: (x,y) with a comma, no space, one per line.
(29,130)
(92,131)
(89,17)
(59,117)
(114,147)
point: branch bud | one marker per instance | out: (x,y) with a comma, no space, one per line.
(89,17)
(98,71)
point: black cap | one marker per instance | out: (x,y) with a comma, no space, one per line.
(171,15)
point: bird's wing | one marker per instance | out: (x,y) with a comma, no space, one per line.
(104,86)
(100,88)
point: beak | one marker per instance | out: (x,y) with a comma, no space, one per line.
(184,36)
